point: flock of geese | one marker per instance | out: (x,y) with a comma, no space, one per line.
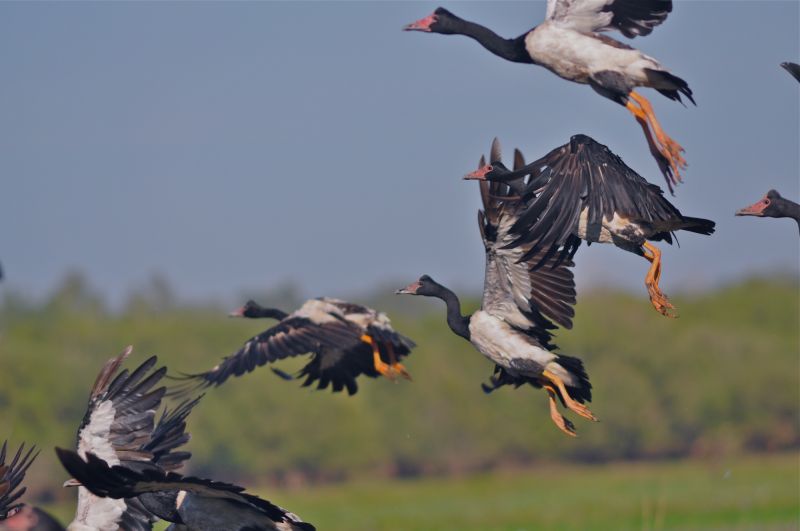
(535,216)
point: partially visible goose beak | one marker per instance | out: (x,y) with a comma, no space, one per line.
(72,482)
(479,174)
(411,289)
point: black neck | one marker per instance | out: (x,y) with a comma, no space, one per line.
(509,49)
(269,313)
(457,322)
(790,209)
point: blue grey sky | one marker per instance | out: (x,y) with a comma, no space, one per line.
(235,146)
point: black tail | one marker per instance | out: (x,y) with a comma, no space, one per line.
(698,225)
(669,85)
(583,392)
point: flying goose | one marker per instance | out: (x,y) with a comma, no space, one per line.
(583,191)
(345,340)
(189,503)
(570,43)
(15,516)
(521,305)
(119,427)
(772,205)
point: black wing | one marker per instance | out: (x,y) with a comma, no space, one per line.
(631,17)
(122,482)
(528,297)
(291,337)
(11,476)
(584,175)
(792,68)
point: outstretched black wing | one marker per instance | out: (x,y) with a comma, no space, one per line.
(516,290)
(293,336)
(11,476)
(792,68)
(121,482)
(631,17)
(584,179)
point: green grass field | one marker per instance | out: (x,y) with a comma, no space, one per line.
(736,493)
(755,492)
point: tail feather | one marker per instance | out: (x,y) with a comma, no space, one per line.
(582,392)
(697,225)
(669,85)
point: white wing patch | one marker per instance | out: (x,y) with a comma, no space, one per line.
(94,437)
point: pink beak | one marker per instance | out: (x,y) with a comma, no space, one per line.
(479,174)
(423,24)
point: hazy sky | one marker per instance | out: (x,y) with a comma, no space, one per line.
(240,145)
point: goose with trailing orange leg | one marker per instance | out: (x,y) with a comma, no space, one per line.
(521,305)
(346,340)
(583,191)
(570,43)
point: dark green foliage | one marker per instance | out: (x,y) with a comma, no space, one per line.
(721,379)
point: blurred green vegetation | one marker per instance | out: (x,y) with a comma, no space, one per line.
(721,380)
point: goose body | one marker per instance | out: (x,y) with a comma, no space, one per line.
(581,191)
(521,304)
(345,340)
(571,43)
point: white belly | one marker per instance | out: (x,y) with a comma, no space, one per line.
(609,230)
(575,56)
(502,344)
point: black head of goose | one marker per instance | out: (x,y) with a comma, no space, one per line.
(119,426)
(571,44)
(16,516)
(583,191)
(523,300)
(346,340)
(187,502)
(772,205)
(793,69)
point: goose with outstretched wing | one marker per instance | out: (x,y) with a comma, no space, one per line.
(571,43)
(521,306)
(119,427)
(583,191)
(345,340)
(189,503)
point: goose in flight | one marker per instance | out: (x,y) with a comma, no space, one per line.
(119,427)
(189,503)
(571,43)
(521,305)
(583,191)
(345,340)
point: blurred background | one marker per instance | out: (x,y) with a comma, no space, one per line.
(163,162)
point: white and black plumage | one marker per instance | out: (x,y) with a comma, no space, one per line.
(119,426)
(521,305)
(583,191)
(345,340)
(571,44)
(187,502)
(16,516)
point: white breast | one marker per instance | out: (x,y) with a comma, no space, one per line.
(575,56)
(609,230)
(499,342)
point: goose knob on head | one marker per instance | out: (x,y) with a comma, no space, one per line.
(521,304)
(570,43)
(772,205)
(583,191)
(346,340)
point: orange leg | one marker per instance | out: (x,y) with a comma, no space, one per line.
(561,422)
(389,371)
(397,367)
(657,298)
(577,407)
(667,147)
